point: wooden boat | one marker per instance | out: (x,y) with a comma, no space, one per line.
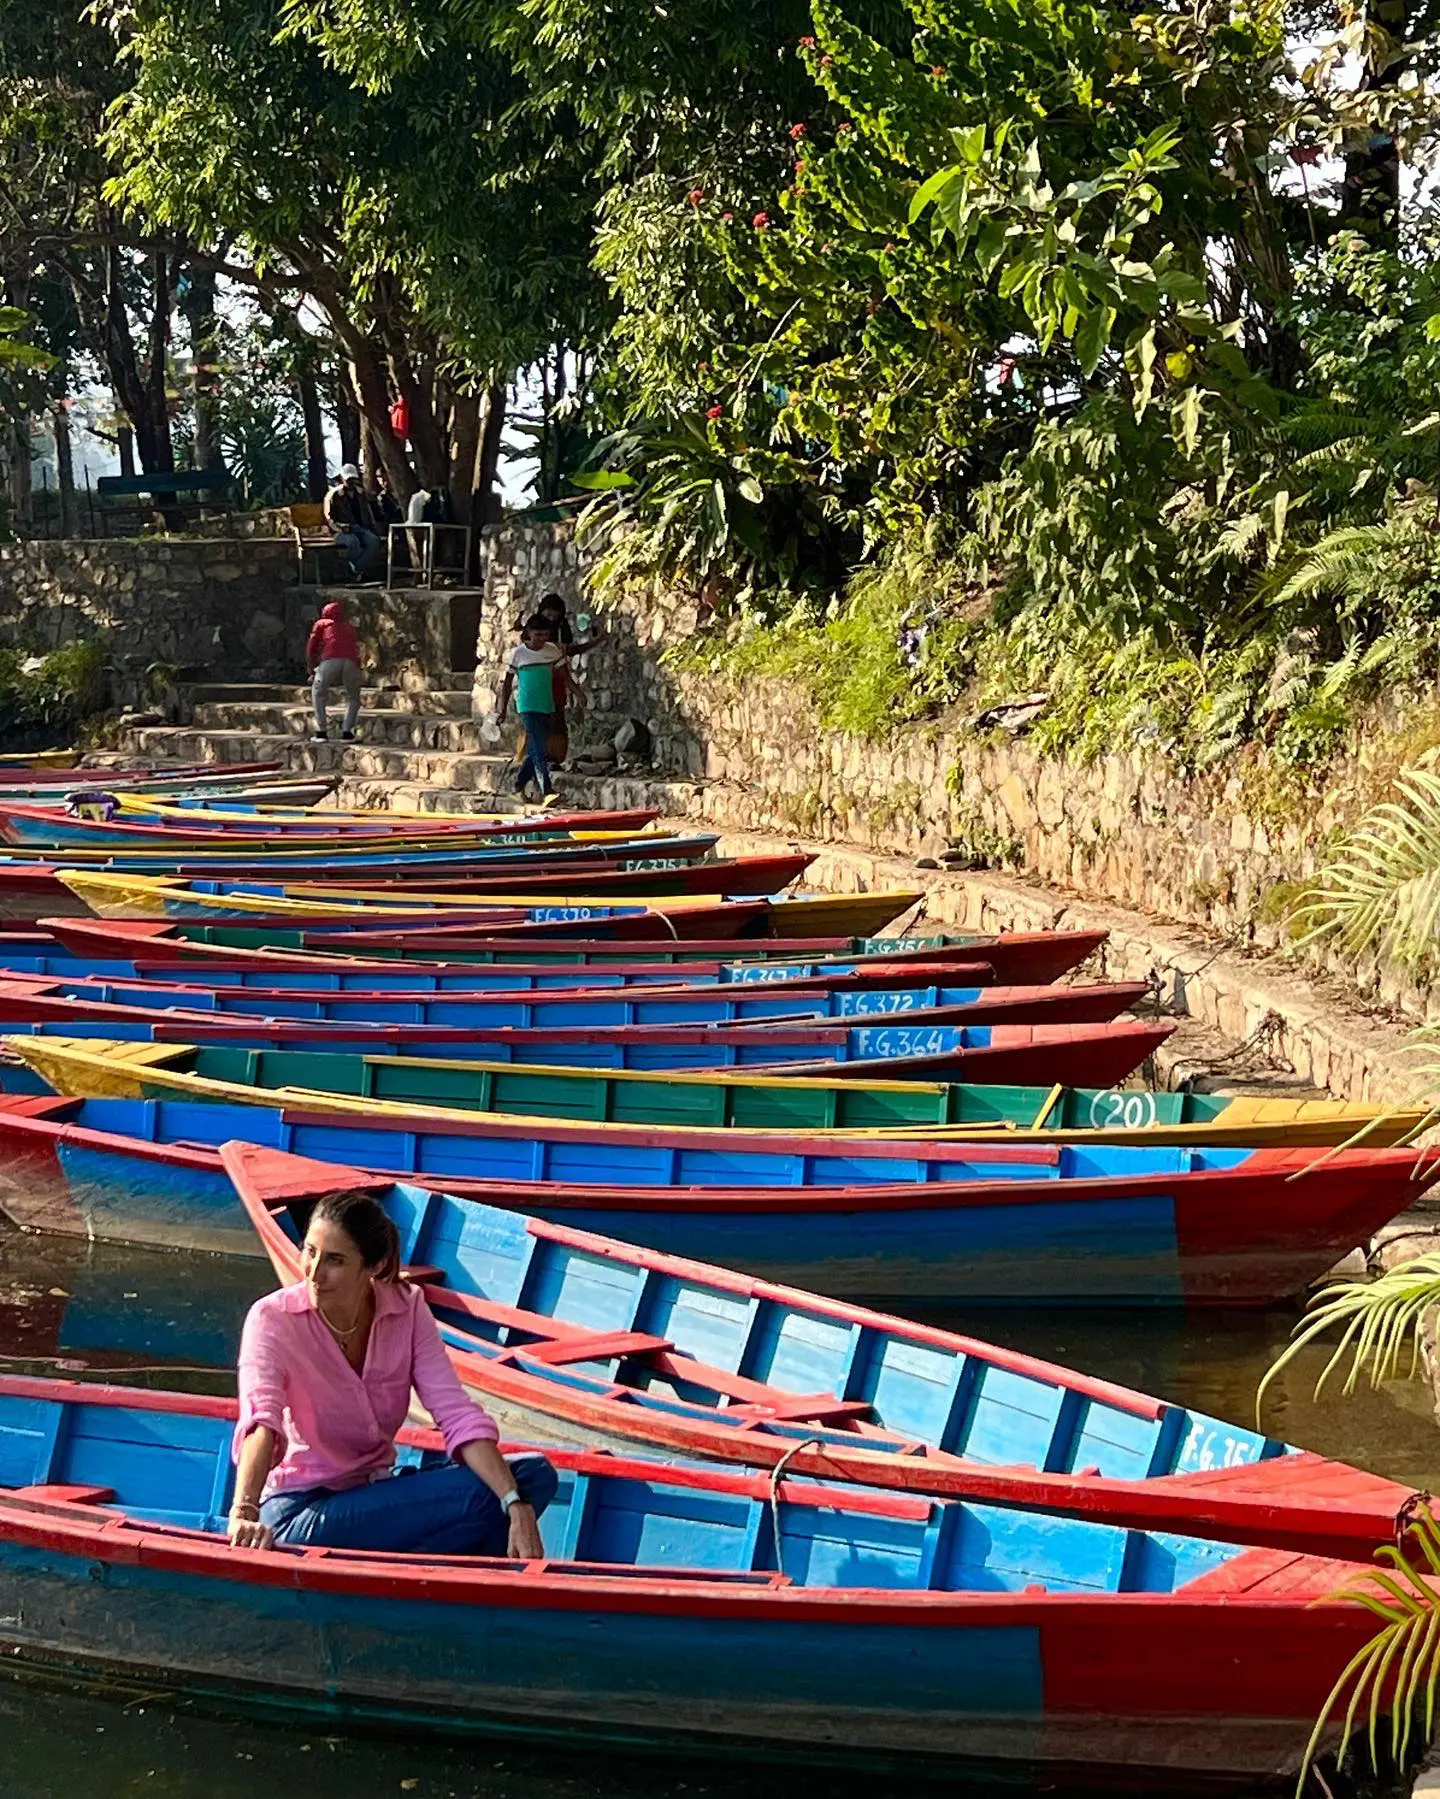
(371,858)
(738,1100)
(985,1054)
(37,889)
(20,960)
(1022,958)
(135,896)
(25,1001)
(49,772)
(27,759)
(632,1346)
(694,1610)
(911,1223)
(50,828)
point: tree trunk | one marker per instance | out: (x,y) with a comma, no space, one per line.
(125,446)
(316,473)
(464,448)
(198,306)
(64,465)
(18,472)
(485,508)
(347,415)
(134,392)
(367,375)
(161,456)
(431,461)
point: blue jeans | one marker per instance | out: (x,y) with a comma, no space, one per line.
(437,1511)
(537,736)
(361,549)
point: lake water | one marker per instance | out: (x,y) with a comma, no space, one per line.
(94,1311)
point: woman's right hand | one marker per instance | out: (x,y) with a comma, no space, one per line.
(250,1533)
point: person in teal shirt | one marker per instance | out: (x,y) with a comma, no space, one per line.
(530,676)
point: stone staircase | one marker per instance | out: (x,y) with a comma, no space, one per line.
(417,750)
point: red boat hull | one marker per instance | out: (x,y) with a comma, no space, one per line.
(1017,959)
(27,1001)
(1019,1055)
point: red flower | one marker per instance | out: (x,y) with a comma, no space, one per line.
(696,195)
(727,218)
(937,69)
(889,246)
(715,412)
(798,130)
(807,43)
(872,307)
(845,129)
(1308,154)
(827,62)
(761,221)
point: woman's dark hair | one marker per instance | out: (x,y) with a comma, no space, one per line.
(365,1222)
(538,622)
(551,599)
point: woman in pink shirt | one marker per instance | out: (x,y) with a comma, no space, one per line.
(326,1370)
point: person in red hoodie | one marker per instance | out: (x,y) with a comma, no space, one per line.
(333,653)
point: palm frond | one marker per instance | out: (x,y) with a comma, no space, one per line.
(1400,1664)
(1381,891)
(1378,1321)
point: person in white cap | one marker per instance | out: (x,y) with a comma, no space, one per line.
(348,514)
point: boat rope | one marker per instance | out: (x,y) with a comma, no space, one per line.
(777,1474)
(1263,1044)
(1405,1518)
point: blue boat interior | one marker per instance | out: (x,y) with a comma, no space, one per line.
(174,1468)
(898,1047)
(368,906)
(923,1392)
(558,1009)
(240,856)
(485,978)
(406,1144)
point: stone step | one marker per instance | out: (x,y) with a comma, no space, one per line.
(463,770)
(250,693)
(401,729)
(279,713)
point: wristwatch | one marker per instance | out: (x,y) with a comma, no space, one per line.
(511,1498)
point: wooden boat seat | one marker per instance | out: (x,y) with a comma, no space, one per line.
(813,1408)
(423,1275)
(58,1492)
(603,1346)
(565,1343)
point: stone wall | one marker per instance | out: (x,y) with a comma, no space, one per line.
(404,635)
(623,676)
(1225,850)
(212,603)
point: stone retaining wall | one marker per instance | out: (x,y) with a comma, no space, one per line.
(623,676)
(1226,850)
(216,603)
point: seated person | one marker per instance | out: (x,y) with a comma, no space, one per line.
(348,514)
(325,1374)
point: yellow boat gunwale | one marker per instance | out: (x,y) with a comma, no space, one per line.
(115,1070)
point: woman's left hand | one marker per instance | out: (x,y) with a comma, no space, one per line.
(525,1544)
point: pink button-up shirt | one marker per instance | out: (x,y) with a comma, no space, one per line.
(336,1428)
